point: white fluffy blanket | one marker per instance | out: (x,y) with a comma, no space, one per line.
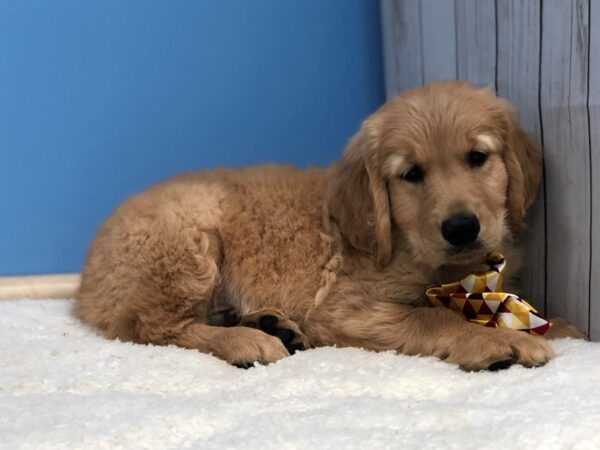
(61,386)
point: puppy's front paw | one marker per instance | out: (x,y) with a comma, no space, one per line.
(529,351)
(243,346)
(496,349)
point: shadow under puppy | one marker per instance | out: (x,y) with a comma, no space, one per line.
(433,181)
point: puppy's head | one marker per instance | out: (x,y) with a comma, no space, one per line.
(442,172)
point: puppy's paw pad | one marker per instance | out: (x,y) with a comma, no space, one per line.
(274,323)
(285,335)
(282,328)
(501,365)
(267,324)
(275,327)
(293,348)
(244,365)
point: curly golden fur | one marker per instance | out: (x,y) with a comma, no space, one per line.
(343,253)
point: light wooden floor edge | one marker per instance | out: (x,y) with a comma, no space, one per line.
(62,285)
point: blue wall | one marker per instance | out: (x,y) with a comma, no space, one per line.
(98,99)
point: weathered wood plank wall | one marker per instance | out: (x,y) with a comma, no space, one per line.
(594,121)
(563,98)
(543,56)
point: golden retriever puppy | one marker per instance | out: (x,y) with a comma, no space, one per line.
(434,180)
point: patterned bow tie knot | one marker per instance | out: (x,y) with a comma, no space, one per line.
(479,298)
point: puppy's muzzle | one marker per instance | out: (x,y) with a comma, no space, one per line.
(461,229)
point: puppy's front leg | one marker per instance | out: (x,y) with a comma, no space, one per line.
(425,331)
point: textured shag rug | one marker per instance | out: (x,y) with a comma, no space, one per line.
(61,386)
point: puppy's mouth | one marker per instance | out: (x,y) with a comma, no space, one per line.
(465,253)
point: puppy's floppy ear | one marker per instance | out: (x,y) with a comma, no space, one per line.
(358,199)
(523,161)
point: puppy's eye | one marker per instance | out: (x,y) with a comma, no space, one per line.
(413,175)
(477,158)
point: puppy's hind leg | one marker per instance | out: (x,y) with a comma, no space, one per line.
(152,284)
(561,329)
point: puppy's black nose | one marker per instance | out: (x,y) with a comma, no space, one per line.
(460,229)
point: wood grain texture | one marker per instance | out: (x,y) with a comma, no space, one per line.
(594,119)
(438,31)
(476,41)
(564,81)
(517,76)
(403,58)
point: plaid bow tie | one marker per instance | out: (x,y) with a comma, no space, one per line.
(479,298)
